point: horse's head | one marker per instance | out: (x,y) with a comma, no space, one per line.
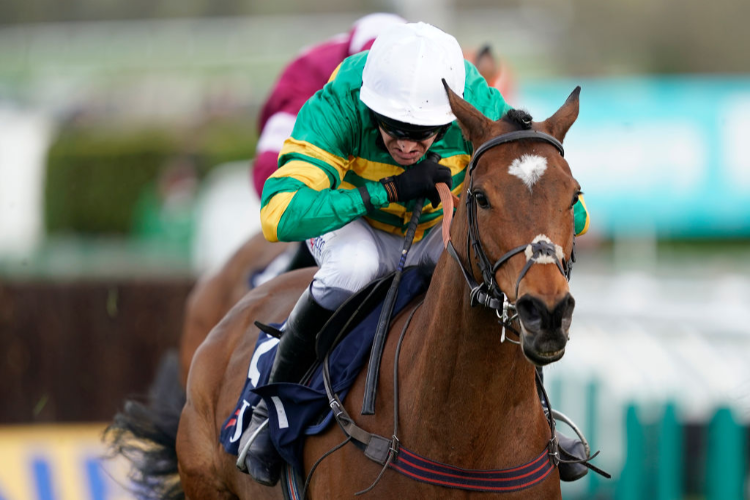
(519,197)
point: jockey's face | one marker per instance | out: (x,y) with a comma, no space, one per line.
(406,151)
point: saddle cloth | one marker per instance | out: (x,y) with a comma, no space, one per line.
(297,411)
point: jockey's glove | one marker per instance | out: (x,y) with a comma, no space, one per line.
(419,181)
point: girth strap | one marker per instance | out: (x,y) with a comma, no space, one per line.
(500,481)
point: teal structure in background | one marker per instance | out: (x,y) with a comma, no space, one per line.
(655,460)
(662,157)
(669,484)
(726,463)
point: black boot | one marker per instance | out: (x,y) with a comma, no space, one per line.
(570,448)
(295,355)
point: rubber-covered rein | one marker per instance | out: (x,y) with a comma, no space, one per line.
(384,321)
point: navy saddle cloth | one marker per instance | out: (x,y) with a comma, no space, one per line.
(295,410)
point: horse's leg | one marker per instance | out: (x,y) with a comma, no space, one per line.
(200,479)
(198,449)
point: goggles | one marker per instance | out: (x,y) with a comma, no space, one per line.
(406,131)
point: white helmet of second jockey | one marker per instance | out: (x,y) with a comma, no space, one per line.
(402,78)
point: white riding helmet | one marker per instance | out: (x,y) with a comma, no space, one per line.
(403,74)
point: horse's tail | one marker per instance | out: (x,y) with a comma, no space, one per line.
(146,434)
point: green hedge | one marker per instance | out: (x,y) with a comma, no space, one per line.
(95,175)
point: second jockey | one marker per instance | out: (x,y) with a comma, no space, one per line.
(348,178)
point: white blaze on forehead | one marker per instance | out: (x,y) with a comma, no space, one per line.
(528,168)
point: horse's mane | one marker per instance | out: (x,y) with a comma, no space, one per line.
(518,117)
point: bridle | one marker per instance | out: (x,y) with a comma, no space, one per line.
(541,250)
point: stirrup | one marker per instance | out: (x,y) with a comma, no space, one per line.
(572,460)
(243,452)
(557,415)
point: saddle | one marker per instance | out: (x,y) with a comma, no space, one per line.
(344,319)
(351,313)
(303,409)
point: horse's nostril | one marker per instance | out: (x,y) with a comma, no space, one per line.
(529,313)
(564,311)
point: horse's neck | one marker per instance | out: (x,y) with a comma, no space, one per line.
(474,395)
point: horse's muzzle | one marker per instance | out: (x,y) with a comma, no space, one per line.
(544,330)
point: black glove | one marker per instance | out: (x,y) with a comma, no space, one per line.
(417,182)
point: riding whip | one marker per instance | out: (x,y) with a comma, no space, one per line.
(384,321)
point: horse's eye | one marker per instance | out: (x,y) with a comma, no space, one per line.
(482,200)
(575,198)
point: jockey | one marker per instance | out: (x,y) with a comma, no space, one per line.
(348,176)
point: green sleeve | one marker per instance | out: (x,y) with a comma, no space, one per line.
(581,216)
(312,213)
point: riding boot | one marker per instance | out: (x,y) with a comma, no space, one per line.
(570,449)
(294,356)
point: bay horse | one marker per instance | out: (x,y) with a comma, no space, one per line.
(216,292)
(467,398)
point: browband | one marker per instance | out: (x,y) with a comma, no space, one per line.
(512,137)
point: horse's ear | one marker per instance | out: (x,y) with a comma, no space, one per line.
(473,123)
(563,119)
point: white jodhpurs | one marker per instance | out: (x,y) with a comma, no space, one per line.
(353,256)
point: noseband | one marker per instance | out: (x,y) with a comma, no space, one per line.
(542,250)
